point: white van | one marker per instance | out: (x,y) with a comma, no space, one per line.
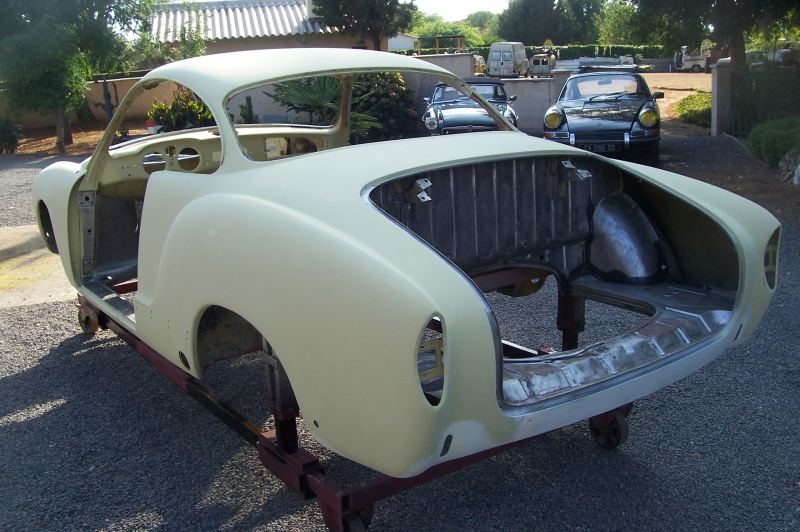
(508,60)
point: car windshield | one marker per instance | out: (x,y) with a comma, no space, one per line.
(448,94)
(600,87)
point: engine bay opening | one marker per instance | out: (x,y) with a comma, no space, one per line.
(630,275)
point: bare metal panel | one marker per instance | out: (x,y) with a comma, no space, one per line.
(487,215)
(682,317)
(624,244)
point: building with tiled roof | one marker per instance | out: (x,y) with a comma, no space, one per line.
(242,25)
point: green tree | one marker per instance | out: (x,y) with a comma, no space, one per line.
(529,21)
(369,19)
(687,21)
(771,33)
(439,27)
(43,71)
(147,52)
(481,19)
(614,24)
(535,21)
(486,22)
(578,22)
(94,41)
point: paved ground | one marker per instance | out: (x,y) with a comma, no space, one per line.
(92,438)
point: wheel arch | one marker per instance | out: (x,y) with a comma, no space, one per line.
(46,227)
(343,319)
(222,333)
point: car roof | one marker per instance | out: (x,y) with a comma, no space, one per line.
(216,75)
(479,81)
(596,74)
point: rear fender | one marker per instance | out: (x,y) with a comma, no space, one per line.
(344,323)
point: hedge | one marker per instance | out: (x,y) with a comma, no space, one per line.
(770,141)
(573,51)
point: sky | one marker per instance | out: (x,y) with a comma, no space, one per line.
(459,9)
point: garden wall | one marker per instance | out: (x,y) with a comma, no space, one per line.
(95,95)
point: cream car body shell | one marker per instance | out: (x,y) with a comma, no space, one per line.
(342,292)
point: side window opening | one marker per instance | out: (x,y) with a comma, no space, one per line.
(304,115)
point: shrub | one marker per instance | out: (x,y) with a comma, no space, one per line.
(770,141)
(576,50)
(758,97)
(386,98)
(185,112)
(246,114)
(10,135)
(320,97)
(695,109)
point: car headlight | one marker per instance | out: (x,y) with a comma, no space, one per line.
(502,108)
(431,123)
(648,117)
(552,119)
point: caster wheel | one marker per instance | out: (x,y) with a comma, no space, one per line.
(609,430)
(88,326)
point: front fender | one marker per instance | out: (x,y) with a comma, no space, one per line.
(55,187)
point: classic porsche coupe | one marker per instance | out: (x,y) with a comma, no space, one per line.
(449,111)
(608,113)
(360,271)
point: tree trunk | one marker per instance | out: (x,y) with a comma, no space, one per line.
(736,49)
(376,38)
(60,131)
(67,131)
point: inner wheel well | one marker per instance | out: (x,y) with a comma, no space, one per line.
(47,228)
(223,334)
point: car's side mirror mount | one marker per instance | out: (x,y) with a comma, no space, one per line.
(427,100)
(658,95)
(512,98)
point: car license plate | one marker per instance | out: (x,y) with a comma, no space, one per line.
(600,148)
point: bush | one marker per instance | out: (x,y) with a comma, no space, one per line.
(695,109)
(758,97)
(386,98)
(574,51)
(770,141)
(10,135)
(185,112)
(246,114)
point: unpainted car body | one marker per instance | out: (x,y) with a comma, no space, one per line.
(364,267)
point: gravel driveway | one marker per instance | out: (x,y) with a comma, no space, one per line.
(93,438)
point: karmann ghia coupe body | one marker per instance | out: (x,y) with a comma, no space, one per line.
(365,267)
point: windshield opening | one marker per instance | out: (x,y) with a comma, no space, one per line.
(597,86)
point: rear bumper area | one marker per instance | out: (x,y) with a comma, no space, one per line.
(684,320)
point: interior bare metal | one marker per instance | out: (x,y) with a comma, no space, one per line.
(509,224)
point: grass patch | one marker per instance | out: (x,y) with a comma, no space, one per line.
(770,141)
(695,109)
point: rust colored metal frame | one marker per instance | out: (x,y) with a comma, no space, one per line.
(279,450)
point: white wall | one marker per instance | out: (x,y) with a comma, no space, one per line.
(402,42)
(534,96)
